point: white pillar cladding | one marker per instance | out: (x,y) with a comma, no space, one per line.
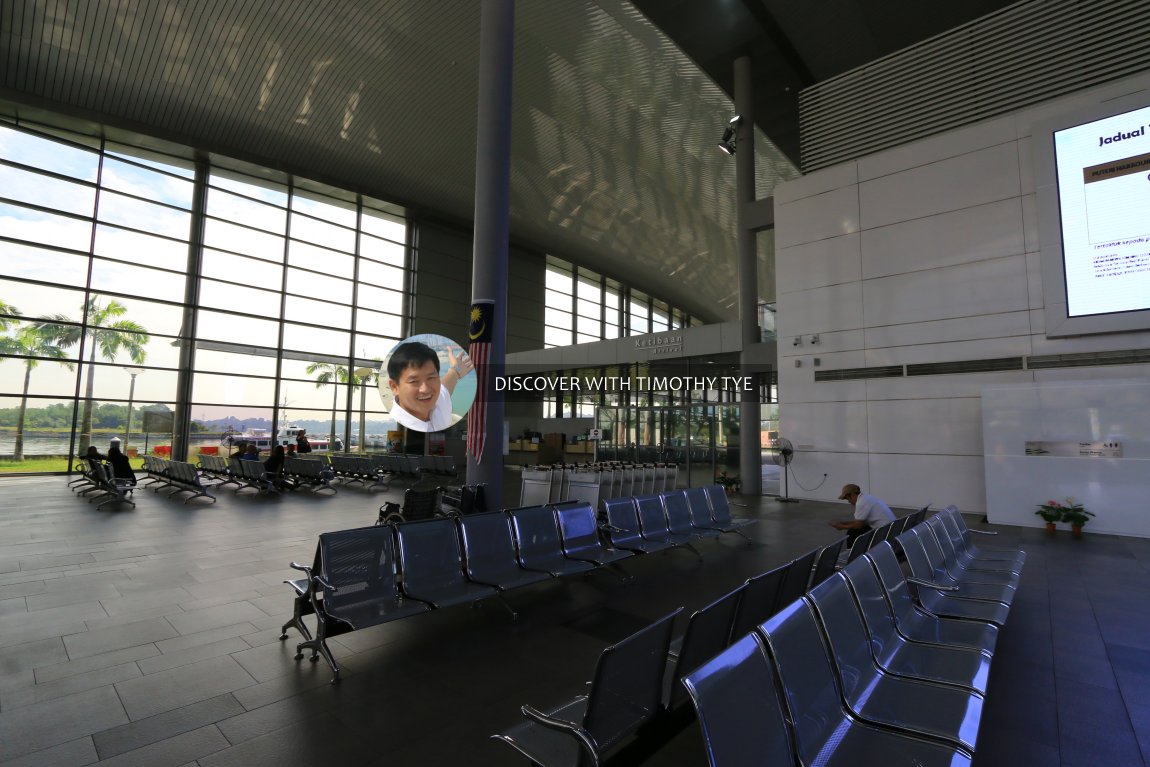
(924,253)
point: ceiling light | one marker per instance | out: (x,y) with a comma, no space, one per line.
(727,144)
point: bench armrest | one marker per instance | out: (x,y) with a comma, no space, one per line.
(930,584)
(613,529)
(303,568)
(323,582)
(982,532)
(561,725)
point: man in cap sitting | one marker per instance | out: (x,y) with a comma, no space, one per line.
(870,513)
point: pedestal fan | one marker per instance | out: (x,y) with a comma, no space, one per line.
(783,453)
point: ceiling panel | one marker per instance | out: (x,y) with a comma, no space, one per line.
(614,162)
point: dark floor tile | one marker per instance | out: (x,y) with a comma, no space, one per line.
(28,729)
(136,735)
(172,751)
(182,686)
(76,753)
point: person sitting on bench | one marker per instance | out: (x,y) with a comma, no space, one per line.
(870,513)
(121,468)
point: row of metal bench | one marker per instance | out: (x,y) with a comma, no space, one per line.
(851,671)
(98,482)
(309,473)
(175,476)
(593,482)
(858,671)
(643,673)
(368,576)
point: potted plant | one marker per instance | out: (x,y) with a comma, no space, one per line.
(1076,515)
(1051,512)
(730,484)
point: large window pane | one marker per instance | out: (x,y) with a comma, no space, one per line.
(382,250)
(383,225)
(379,323)
(242,362)
(119,277)
(141,182)
(381,299)
(233,389)
(233,207)
(318,286)
(48,155)
(311,339)
(317,259)
(324,208)
(127,211)
(32,263)
(20,223)
(229,297)
(233,327)
(250,271)
(126,245)
(38,189)
(242,239)
(382,275)
(310,310)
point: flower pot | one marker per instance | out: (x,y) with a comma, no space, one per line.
(1076,530)
(1051,527)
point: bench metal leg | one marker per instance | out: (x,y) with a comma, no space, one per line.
(318,647)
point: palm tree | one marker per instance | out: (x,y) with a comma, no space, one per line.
(103,333)
(32,343)
(7,322)
(329,373)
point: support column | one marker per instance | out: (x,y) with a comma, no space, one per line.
(182,418)
(750,462)
(492,205)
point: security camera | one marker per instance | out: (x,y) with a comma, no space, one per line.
(798,341)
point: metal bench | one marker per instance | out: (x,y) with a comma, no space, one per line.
(626,692)
(352,585)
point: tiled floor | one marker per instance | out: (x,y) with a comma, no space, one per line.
(150,637)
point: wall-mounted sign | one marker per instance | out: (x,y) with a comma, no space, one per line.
(594,435)
(1068,449)
(661,344)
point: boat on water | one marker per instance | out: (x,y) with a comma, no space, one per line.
(264,440)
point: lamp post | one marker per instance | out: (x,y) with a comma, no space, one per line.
(362,374)
(133,372)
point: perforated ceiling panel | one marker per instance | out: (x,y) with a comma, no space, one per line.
(614,162)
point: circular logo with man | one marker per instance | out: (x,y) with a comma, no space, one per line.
(427,382)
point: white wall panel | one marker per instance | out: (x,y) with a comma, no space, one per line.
(936,148)
(931,387)
(1098,343)
(984,287)
(1103,373)
(830,343)
(1034,280)
(840,468)
(944,239)
(911,481)
(799,382)
(926,426)
(988,348)
(944,331)
(815,183)
(960,182)
(1092,411)
(816,264)
(821,310)
(826,426)
(831,214)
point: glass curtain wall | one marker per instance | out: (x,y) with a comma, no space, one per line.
(583,306)
(300,290)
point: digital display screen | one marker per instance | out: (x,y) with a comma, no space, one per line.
(1103,173)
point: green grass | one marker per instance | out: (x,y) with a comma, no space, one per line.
(8,466)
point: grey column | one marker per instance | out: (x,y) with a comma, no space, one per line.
(182,417)
(492,201)
(750,463)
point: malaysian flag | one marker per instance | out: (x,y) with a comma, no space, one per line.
(480,335)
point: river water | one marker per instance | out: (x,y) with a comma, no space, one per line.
(58,444)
